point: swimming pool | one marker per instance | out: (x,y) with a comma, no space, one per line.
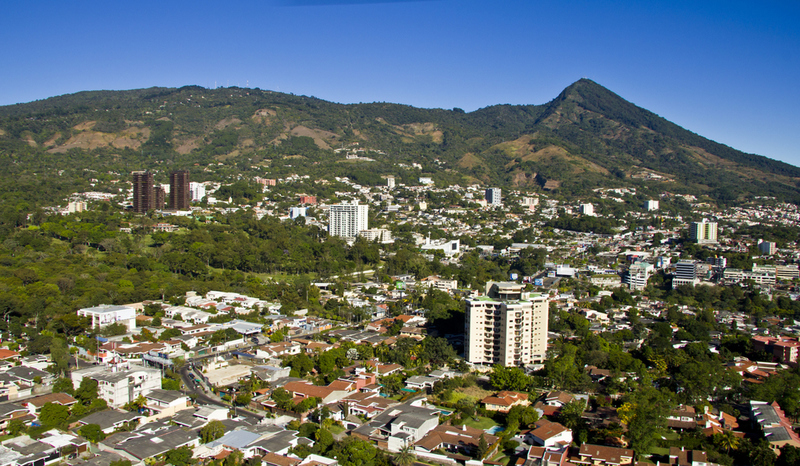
(495,430)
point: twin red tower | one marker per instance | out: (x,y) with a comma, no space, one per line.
(147,196)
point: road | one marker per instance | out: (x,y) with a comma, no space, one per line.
(203,397)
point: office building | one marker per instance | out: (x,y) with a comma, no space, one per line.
(685,274)
(347,219)
(180,192)
(650,205)
(638,274)
(704,232)
(143,192)
(507,326)
(586,209)
(295,212)
(492,197)
(767,248)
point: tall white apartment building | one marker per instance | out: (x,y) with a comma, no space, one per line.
(347,219)
(650,205)
(586,209)
(638,274)
(704,232)
(197,191)
(493,197)
(390,182)
(507,326)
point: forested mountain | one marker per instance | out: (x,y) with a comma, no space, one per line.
(585,138)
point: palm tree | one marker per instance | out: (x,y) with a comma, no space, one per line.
(727,440)
(404,457)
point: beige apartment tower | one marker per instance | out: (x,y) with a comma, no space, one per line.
(507,326)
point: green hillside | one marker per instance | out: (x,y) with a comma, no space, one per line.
(587,137)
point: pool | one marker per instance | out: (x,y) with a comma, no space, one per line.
(495,430)
(445,412)
(408,390)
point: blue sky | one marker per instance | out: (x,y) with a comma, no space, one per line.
(726,70)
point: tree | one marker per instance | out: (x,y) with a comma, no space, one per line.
(16,427)
(645,413)
(789,456)
(156,322)
(212,431)
(483,448)
(404,457)
(283,399)
(59,354)
(509,378)
(92,432)
(179,456)
(243,399)
(87,391)
(571,413)
(63,385)
(726,440)
(53,415)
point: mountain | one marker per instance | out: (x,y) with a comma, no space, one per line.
(587,137)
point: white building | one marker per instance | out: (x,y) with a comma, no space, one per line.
(493,197)
(197,191)
(76,206)
(380,235)
(121,387)
(704,232)
(767,248)
(295,212)
(638,274)
(390,182)
(347,219)
(651,205)
(105,314)
(449,247)
(586,209)
(529,202)
(507,327)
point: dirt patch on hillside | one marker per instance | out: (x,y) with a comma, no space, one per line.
(264,115)
(413,130)
(89,140)
(189,145)
(52,141)
(227,122)
(319,136)
(86,125)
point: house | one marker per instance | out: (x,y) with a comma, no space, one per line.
(326,394)
(600,455)
(163,403)
(774,424)
(558,399)
(35,404)
(455,439)
(548,434)
(399,426)
(11,411)
(105,314)
(681,457)
(505,400)
(420,382)
(111,419)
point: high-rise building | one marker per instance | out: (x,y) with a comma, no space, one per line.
(492,197)
(685,274)
(651,205)
(198,191)
(586,209)
(159,196)
(767,247)
(704,232)
(508,326)
(143,192)
(180,193)
(638,274)
(347,219)
(390,182)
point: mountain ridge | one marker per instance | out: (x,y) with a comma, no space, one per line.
(585,137)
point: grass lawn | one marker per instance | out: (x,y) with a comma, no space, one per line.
(337,429)
(659,451)
(482,423)
(671,435)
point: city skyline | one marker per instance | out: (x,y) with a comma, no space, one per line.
(724,70)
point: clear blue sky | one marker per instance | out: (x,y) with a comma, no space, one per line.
(726,70)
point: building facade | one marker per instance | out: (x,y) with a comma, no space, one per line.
(508,326)
(143,192)
(347,219)
(106,314)
(685,274)
(180,192)
(493,197)
(704,232)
